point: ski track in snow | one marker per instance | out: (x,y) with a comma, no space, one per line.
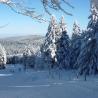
(44,85)
(5,75)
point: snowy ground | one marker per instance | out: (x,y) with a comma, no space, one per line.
(15,83)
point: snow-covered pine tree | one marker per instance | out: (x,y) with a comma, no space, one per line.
(60,28)
(63,25)
(28,59)
(75,44)
(49,48)
(3,58)
(88,58)
(63,48)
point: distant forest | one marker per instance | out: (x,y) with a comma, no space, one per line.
(16,45)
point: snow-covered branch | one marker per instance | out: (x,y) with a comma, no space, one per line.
(56,5)
(20,7)
(2,26)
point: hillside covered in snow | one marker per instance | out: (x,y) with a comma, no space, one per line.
(16,45)
(15,83)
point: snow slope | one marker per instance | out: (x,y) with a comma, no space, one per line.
(39,84)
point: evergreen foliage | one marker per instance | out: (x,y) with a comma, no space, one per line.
(28,59)
(63,47)
(49,47)
(75,44)
(88,58)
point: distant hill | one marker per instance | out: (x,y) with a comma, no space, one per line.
(16,45)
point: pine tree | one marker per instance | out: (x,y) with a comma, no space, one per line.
(49,48)
(63,48)
(3,59)
(88,58)
(93,18)
(75,44)
(63,26)
(60,28)
(28,59)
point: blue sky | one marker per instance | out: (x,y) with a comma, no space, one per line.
(19,25)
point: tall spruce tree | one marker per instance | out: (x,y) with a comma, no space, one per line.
(49,48)
(75,44)
(63,47)
(63,25)
(88,58)
(59,29)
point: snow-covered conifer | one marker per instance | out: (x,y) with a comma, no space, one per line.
(63,26)
(63,47)
(49,48)
(93,18)
(75,44)
(28,58)
(88,58)
(3,58)
(63,51)
(60,28)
